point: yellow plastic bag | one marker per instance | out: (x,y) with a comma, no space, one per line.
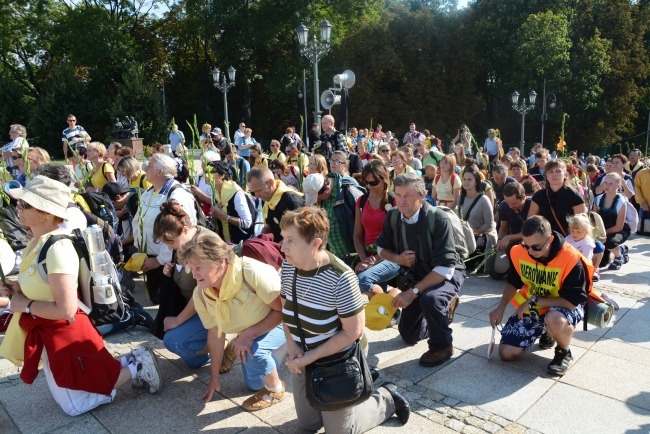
(136,262)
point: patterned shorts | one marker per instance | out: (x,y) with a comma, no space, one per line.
(522,333)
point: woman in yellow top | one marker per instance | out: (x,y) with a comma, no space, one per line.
(103,171)
(47,323)
(238,295)
(131,169)
(446,186)
(400,165)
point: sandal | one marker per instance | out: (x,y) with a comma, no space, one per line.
(626,257)
(229,357)
(616,264)
(596,276)
(263,399)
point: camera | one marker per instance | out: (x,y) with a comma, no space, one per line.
(407,278)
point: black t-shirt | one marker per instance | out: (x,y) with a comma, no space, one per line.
(289,201)
(562,202)
(515,219)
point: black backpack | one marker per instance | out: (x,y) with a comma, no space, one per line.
(11,229)
(103,304)
(200,215)
(101,206)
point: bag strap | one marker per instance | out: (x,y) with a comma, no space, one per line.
(362,201)
(471,207)
(294,295)
(555,215)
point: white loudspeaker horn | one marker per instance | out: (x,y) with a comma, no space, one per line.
(345,80)
(329,99)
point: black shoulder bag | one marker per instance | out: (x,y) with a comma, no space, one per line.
(337,381)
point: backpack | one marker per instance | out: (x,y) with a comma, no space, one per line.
(11,229)
(345,212)
(200,215)
(101,206)
(463,235)
(104,304)
(451,180)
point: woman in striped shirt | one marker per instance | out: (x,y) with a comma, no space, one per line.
(332,318)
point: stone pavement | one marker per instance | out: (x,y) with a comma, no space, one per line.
(607,389)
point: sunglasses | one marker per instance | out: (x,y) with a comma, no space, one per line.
(371,183)
(384,151)
(24,205)
(534,248)
(72,120)
(17,157)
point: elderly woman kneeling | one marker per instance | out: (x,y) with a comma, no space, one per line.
(331,312)
(238,295)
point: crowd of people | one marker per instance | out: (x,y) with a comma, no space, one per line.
(274,256)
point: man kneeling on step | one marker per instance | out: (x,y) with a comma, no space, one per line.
(552,276)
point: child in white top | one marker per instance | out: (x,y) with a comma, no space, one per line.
(581,237)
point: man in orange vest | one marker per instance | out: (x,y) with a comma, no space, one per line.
(548,284)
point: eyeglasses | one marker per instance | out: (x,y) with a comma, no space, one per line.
(274,146)
(534,248)
(24,205)
(336,161)
(371,183)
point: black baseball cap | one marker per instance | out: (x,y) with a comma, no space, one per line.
(113,189)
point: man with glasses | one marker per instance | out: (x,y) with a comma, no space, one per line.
(547,283)
(74,138)
(277,197)
(239,133)
(339,204)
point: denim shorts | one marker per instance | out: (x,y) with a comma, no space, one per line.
(522,333)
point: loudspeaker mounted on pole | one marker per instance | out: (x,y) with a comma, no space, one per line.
(329,99)
(345,80)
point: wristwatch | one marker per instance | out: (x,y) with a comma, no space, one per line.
(532,301)
(28,307)
(415,290)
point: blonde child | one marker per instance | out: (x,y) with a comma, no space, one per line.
(581,237)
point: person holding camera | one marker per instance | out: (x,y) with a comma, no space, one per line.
(420,238)
(547,283)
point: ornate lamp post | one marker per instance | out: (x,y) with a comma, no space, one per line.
(552,105)
(522,109)
(224,86)
(314,50)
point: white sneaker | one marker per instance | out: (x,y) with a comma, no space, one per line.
(147,369)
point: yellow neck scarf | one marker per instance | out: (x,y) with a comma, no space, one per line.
(280,189)
(228,190)
(232,281)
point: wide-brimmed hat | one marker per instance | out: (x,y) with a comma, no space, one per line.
(45,194)
(380,311)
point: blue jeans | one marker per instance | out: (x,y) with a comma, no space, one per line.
(127,321)
(378,273)
(187,340)
(263,362)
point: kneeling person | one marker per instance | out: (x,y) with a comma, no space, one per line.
(552,276)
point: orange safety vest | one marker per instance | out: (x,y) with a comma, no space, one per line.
(546,280)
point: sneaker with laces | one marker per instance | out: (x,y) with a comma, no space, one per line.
(147,369)
(560,362)
(545,341)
